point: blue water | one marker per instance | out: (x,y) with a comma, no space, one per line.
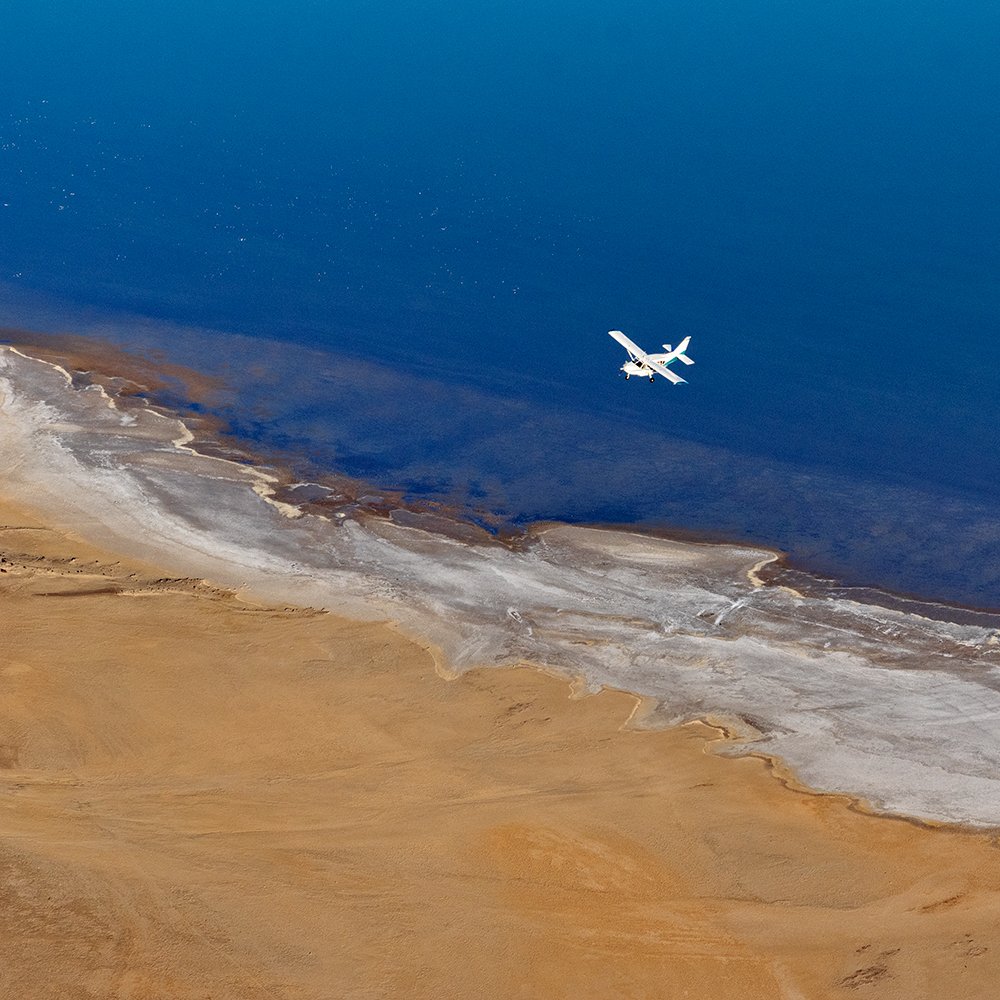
(472,194)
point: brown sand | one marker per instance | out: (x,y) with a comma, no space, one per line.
(204,798)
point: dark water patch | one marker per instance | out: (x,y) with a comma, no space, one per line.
(780,573)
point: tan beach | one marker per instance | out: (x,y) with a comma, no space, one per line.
(205,797)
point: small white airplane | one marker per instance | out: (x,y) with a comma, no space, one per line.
(641,363)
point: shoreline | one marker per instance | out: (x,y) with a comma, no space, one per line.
(376,566)
(187,392)
(504,832)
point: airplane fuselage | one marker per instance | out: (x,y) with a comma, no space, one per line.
(643,371)
(632,368)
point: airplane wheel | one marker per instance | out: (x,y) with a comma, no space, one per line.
(650,378)
(626,378)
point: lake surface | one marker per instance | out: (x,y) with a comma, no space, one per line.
(401,231)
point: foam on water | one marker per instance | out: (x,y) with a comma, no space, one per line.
(888,706)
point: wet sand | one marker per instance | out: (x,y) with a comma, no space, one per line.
(207,797)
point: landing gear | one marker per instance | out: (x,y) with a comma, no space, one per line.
(627,376)
(651,378)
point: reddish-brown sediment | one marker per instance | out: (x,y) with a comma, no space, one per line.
(107,360)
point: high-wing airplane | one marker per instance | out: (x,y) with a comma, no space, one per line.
(641,363)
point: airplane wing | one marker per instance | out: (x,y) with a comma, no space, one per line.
(633,349)
(663,370)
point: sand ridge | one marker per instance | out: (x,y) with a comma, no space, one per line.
(207,797)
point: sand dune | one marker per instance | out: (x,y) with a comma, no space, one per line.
(203,797)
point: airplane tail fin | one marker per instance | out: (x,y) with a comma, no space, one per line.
(681,348)
(678,352)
